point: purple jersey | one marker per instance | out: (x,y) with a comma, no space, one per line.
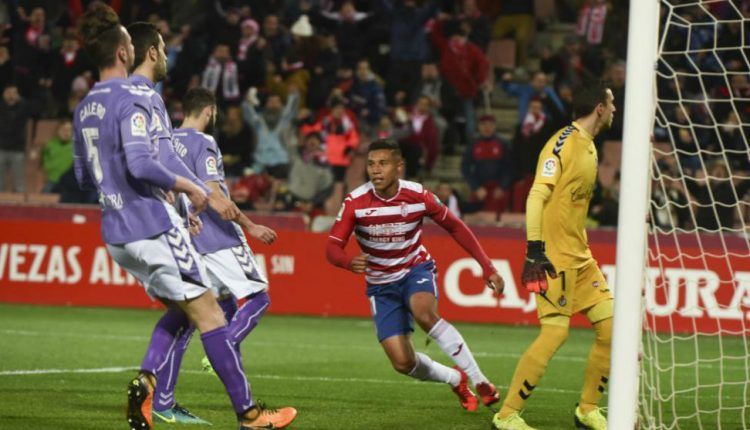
(201,155)
(161,131)
(115,154)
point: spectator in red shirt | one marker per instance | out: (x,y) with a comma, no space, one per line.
(464,66)
(341,138)
(422,143)
(486,166)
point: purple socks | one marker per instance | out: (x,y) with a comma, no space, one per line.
(228,366)
(164,339)
(247,317)
(172,336)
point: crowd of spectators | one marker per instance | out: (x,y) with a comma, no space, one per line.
(304,85)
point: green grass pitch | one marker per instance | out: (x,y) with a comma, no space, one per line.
(62,368)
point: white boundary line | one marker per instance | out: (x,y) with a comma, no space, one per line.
(33,372)
(404,381)
(136,338)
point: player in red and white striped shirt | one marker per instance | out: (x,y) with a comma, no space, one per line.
(386,216)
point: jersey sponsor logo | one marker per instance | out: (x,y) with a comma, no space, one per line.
(112,201)
(582,193)
(92,109)
(549,168)
(138,124)
(211,168)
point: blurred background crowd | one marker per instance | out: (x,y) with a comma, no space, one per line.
(472,89)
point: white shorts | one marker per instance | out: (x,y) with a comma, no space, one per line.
(167,265)
(234,271)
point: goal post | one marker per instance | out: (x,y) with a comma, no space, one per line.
(640,104)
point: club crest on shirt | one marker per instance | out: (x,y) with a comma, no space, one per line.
(211,168)
(138,124)
(549,168)
(404,209)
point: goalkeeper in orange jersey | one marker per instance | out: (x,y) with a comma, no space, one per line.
(559,267)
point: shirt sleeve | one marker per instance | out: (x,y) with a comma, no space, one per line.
(206,160)
(142,160)
(553,159)
(434,208)
(345,222)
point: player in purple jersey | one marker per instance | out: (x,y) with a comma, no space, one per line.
(233,272)
(229,261)
(150,66)
(114,154)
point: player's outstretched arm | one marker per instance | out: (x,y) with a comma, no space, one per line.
(195,194)
(219,203)
(537,265)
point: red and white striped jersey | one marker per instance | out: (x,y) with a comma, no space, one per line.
(389,231)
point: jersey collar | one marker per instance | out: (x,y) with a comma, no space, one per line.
(375,193)
(583,131)
(141,80)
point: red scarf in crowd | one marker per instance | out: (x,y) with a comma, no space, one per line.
(591,22)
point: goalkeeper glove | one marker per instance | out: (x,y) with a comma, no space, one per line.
(536,267)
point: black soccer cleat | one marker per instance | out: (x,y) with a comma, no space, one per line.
(140,395)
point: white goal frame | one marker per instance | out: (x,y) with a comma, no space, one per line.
(640,105)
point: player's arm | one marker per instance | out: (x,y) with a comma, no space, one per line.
(143,166)
(464,237)
(338,238)
(257,231)
(537,266)
(207,171)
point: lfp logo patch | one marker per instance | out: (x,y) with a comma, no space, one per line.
(138,124)
(211,168)
(549,167)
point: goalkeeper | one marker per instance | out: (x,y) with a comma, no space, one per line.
(559,267)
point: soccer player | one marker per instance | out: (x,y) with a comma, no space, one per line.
(143,234)
(386,215)
(150,66)
(229,261)
(559,267)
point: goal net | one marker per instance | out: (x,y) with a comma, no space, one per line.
(695,357)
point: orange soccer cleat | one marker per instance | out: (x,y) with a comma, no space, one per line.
(468,400)
(262,418)
(140,394)
(487,393)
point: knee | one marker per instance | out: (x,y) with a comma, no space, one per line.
(403,366)
(553,335)
(426,320)
(604,332)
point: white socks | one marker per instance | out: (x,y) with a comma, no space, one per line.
(452,344)
(427,369)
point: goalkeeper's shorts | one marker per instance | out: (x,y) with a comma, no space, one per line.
(574,291)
